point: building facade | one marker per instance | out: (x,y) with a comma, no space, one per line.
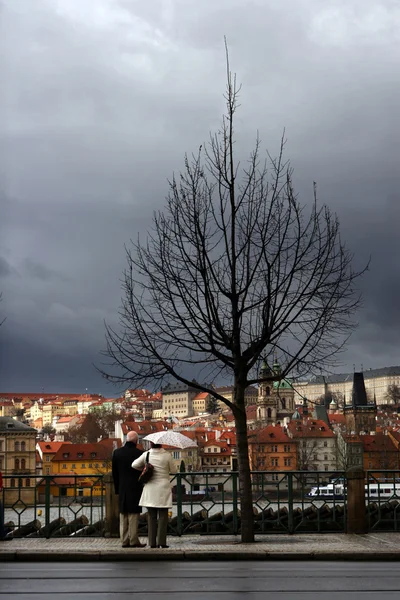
(377,382)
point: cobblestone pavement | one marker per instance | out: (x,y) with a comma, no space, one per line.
(377,546)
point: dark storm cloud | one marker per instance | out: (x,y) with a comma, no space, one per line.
(103,97)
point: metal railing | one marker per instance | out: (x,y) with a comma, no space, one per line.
(204,503)
(280,503)
(54,505)
(382,497)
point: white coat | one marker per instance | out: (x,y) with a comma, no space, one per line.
(157,493)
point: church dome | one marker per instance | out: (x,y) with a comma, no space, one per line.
(283,384)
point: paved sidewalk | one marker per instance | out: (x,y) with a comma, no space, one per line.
(373,546)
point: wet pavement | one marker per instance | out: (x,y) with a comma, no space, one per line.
(372,546)
(303,580)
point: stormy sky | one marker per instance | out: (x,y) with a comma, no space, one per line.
(99,101)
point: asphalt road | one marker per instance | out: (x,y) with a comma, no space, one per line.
(159,580)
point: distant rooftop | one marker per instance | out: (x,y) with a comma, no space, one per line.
(369,374)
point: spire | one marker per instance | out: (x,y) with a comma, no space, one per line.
(359,395)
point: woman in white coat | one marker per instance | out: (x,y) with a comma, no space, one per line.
(157,493)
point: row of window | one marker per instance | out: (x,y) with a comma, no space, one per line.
(275,462)
(273,448)
(83,465)
(19,446)
(19,464)
(27,482)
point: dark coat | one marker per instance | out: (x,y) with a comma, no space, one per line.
(125,478)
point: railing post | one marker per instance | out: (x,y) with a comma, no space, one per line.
(179,503)
(290,503)
(47,505)
(356,512)
(112,510)
(235,502)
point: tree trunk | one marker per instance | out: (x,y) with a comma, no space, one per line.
(245,491)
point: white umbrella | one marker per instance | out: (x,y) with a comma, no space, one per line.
(170,438)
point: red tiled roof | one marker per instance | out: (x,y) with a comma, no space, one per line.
(145,427)
(337,419)
(51,447)
(201,396)
(110,443)
(378,443)
(270,434)
(312,428)
(86,450)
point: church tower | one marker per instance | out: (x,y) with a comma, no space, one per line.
(266,409)
(360,415)
(275,401)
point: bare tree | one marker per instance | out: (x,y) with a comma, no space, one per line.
(232,271)
(393,394)
(2,320)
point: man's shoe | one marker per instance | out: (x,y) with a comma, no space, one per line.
(138,545)
(125,545)
(153,546)
(164,546)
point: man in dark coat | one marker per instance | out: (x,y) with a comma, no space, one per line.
(129,490)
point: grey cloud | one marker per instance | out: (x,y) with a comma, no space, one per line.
(5,267)
(102,100)
(40,271)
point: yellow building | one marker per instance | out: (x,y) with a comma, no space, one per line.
(47,451)
(51,410)
(81,459)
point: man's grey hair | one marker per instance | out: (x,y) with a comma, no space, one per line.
(132,437)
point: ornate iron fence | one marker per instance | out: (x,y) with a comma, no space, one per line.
(382,493)
(54,505)
(204,503)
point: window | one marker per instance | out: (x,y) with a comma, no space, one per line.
(80,454)
(325,444)
(28,483)
(93,454)
(16,446)
(97,465)
(190,453)
(47,471)
(1,445)
(73,466)
(325,457)
(103,464)
(83,466)
(287,448)
(64,466)
(326,467)
(208,449)
(275,477)
(176,454)
(47,458)
(274,462)
(16,463)
(288,462)
(66,454)
(370,464)
(23,446)
(274,448)
(90,466)
(12,483)
(23,464)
